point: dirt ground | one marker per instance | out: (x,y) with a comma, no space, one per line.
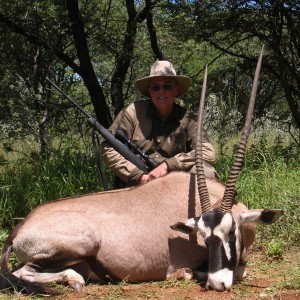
(266,279)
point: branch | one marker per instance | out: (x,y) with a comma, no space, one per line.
(152,30)
(36,41)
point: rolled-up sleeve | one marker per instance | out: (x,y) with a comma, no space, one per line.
(185,161)
(123,168)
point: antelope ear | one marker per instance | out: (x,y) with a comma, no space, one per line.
(261,216)
(189,227)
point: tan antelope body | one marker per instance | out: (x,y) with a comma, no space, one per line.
(122,234)
(118,235)
(135,234)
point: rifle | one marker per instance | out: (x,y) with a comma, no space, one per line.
(121,136)
(117,141)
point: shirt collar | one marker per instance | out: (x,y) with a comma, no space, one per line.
(175,114)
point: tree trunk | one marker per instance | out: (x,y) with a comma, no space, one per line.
(290,96)
(86,70)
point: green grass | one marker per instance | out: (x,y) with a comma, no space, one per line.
(269,179)
(292,277)
(274,186)
(27,180)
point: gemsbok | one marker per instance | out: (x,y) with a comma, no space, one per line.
(134,234)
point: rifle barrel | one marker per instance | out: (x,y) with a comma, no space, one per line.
(69,98)
(115,143)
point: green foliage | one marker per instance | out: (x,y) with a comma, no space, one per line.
(275,249)
(30,181)
(3,236)
(228,26)
(270,179)
(262,154)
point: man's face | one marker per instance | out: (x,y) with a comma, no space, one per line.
(163,91)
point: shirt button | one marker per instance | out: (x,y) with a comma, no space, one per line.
(158,140)
(156,155)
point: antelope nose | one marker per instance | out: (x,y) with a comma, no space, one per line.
(220,280)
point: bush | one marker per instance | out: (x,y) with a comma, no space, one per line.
(275,249)
(270,179)
(30,181)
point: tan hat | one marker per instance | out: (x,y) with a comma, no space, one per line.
(163,68)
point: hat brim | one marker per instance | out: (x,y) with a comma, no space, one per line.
(184,83)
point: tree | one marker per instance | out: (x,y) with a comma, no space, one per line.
(239,28)
(101,47)
(65,37)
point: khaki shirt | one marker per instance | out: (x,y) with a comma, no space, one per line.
(172,141)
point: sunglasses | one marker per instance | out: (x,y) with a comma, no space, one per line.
(165,87)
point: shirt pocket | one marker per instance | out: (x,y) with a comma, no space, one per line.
(175,143)
(140,140)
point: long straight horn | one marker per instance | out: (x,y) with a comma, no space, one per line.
(240,154)
(202,187)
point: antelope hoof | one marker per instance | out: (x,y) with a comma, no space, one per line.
(74,279)
(181,274)
(76,286)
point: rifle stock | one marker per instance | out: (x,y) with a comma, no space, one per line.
(108,136)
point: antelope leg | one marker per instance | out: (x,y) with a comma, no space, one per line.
(69,276)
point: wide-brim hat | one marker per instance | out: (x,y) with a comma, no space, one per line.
(163,68)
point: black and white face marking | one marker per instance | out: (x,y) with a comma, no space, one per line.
(225,242)
(219,232)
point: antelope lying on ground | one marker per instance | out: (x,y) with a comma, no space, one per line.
(126,234)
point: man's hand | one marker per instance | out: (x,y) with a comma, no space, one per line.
(160,171)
